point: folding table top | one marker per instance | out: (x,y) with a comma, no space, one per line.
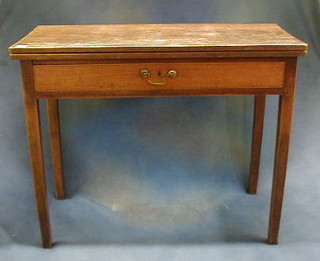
(123,38)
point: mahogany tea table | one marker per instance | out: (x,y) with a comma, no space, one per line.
(147,60)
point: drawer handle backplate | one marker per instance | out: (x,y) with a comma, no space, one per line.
(146,75)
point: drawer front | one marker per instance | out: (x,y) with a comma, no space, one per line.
(161,76)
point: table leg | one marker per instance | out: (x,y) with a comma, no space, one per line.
(35,145)
(36,153)
(285,115)
(257,131)
(55,142)
(280,165)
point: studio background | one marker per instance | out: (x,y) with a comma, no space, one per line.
(161,178)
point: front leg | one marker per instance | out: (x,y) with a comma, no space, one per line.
(285,115)
(36,153)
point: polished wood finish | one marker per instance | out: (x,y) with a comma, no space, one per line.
(126,76)
(85,61)
(258,119)
(285,115)
(35,146)
(152,55)
(55,143)
(157,38)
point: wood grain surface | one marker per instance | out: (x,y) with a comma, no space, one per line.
(157,38)
(126,76)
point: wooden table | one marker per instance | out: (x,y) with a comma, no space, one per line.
(86,61)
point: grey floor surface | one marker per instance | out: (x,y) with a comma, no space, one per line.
(161,179)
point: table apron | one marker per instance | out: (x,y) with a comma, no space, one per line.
(70,79)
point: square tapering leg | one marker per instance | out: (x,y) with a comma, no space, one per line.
(285,115)
(55,143)
(257,132)
(36,153)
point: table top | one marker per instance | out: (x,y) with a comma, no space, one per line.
(46,39)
